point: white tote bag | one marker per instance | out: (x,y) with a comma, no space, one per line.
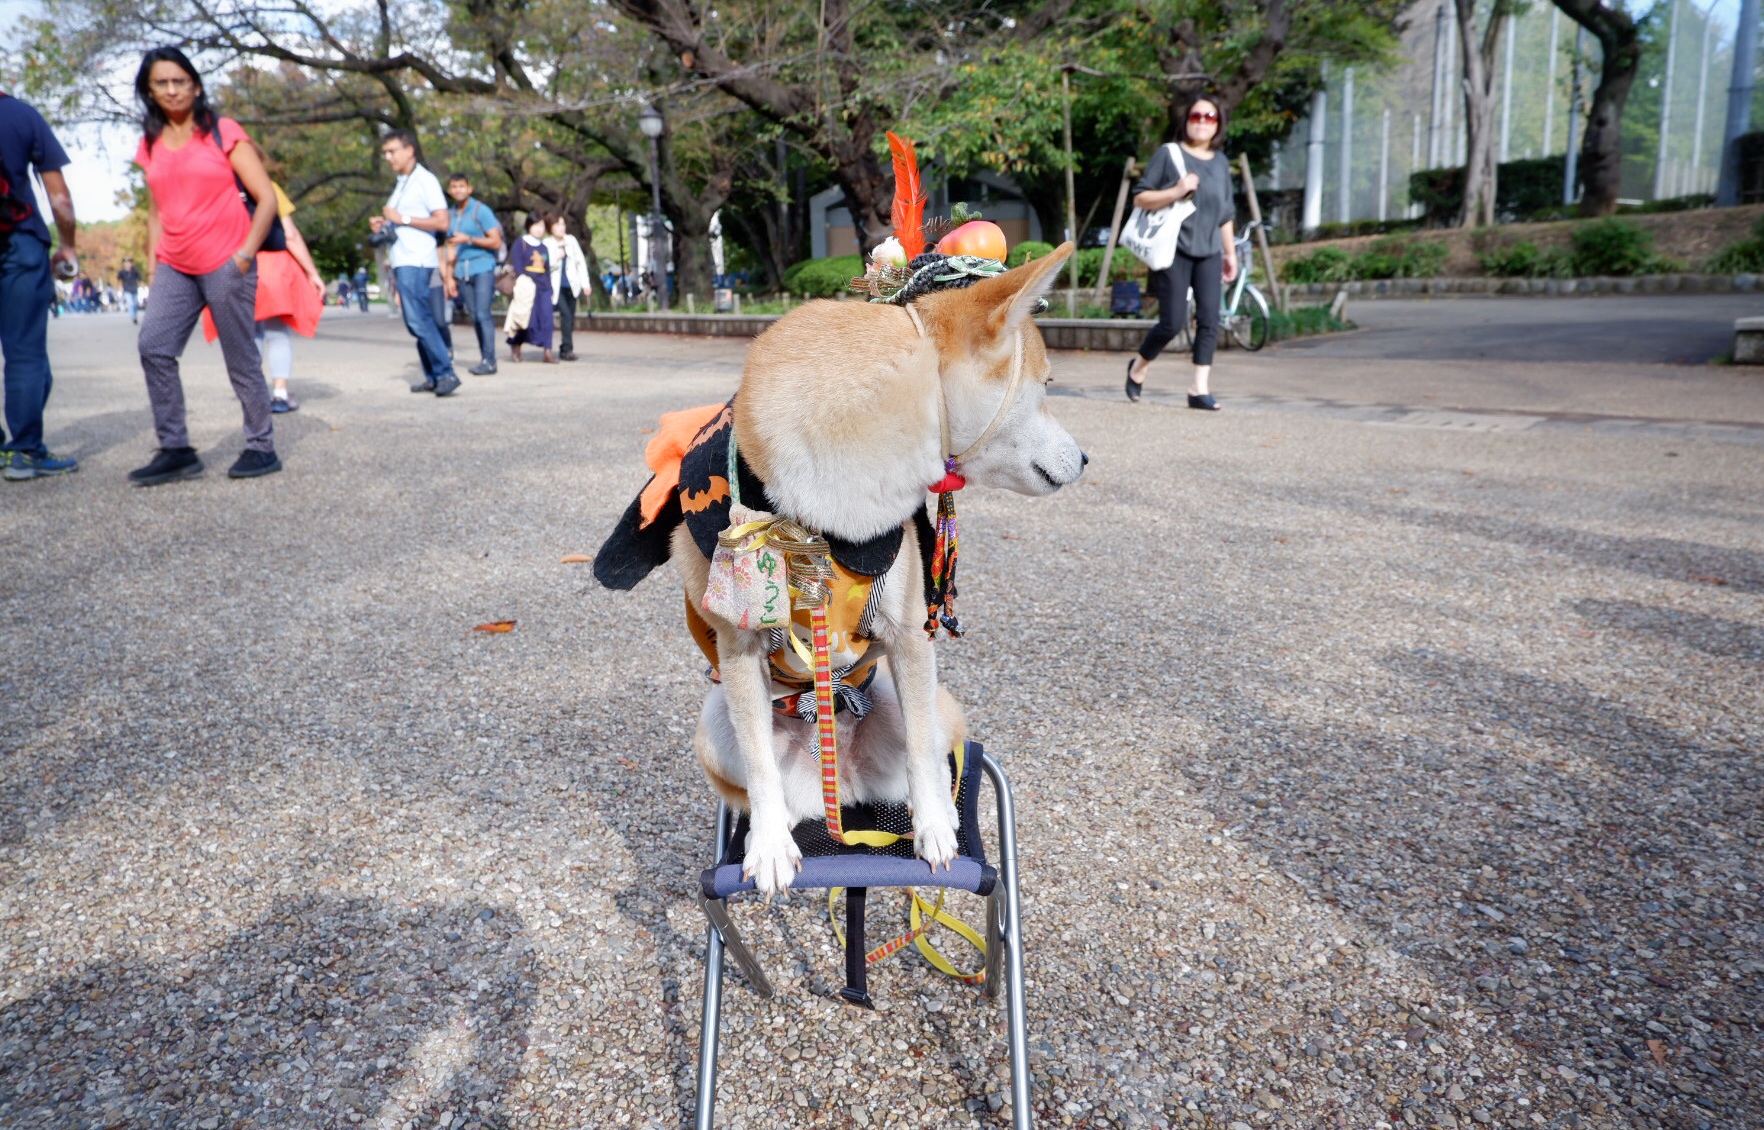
(1152,235)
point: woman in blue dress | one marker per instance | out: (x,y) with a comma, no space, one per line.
(529,309)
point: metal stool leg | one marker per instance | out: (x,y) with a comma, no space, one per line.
(713,999)
(1010,931)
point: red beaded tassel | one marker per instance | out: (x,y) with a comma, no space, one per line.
(940,611)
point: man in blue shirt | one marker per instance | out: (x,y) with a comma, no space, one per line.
(361,281)
(27,290)
(473,239)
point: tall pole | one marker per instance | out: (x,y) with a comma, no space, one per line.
(1414,165)
(1571,165)
(658,228)
(1666,104)
(1345,207)
(1313,214)
(1550,84)
(1702,94)
(1439,80)
(1511,31)
(1448,134)
(1071,196)
(1384,168)
(1739,103)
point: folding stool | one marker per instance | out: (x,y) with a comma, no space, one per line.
(827,864)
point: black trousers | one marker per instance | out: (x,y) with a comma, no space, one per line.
(566,317)
(1207,277)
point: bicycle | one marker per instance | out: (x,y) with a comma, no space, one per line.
(1244,311)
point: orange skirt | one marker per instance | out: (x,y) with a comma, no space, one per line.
(283,291)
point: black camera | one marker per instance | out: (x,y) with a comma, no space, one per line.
(385,237)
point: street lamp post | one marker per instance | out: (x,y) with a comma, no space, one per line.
(650,122)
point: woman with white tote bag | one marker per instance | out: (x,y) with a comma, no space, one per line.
(1188,182)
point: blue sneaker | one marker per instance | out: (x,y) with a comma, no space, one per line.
(21,467)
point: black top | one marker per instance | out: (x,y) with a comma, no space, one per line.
(27,143)
(1213,202)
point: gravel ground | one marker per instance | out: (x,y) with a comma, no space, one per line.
(1368,775)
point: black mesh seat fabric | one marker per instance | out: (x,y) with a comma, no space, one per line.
(826,863)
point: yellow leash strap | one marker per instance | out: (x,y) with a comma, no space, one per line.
(920,917)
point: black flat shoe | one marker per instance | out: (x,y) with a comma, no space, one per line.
(1133,386)
(1207,403)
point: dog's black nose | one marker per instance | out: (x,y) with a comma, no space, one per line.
(1083,459)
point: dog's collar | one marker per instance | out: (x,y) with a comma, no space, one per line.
(952,463)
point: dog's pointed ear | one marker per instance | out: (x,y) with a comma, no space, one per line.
(1012,297)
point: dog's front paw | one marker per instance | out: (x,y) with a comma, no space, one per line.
(772,861)
(934,834)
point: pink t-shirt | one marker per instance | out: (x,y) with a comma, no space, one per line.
(201,218)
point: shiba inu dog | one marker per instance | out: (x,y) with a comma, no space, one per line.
(846,413)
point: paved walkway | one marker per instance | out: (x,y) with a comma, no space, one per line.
(1372,767)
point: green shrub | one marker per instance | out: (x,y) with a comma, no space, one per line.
(1525,260)
(823,278)
(1612,247)
(1328,264)
(1027,250)
(1389,258)
(1406,259)
(1522,188)
(1742,258)
(1302,321)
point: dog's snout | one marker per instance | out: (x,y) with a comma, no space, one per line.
(1083,459)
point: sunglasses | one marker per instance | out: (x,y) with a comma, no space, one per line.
(1204,116)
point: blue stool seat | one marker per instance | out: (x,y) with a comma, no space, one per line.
(827,863)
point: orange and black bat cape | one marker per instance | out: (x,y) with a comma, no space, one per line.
(689,458)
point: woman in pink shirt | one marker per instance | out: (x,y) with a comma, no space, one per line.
(202,240)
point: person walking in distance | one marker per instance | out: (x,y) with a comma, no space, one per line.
(473,238)
(290,300)
(1206,251)
(202,238)
(529,315)
(27,285)
(409,226)
(361,293)
(569,280)
(130,280)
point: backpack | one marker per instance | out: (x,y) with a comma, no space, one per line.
(277,239)
(14,208)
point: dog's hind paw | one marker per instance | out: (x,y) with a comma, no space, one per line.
(934,840)
(772,862)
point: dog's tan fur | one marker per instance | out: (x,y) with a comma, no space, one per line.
(838,412)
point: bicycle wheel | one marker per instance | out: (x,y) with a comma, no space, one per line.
(1249,326)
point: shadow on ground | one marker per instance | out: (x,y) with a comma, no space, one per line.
(268,1029)
(1640,939)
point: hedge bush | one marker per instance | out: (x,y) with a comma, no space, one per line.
(1602,247)
(1389,258)
(1522,189)
(1614,247)
(1742,258)
(1524,260)
(1027,250)
(823,278)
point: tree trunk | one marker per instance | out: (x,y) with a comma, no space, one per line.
(1481,167)
(1601,148)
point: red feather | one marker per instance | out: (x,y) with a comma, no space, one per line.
(909,198)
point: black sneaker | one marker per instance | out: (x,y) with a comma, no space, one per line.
(483,369)
(169,464)
(447,385)
(251,464)
(426,386)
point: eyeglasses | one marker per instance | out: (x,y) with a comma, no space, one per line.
(1203,116)
(170,83)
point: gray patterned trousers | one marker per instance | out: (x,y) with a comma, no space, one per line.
(173,308)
